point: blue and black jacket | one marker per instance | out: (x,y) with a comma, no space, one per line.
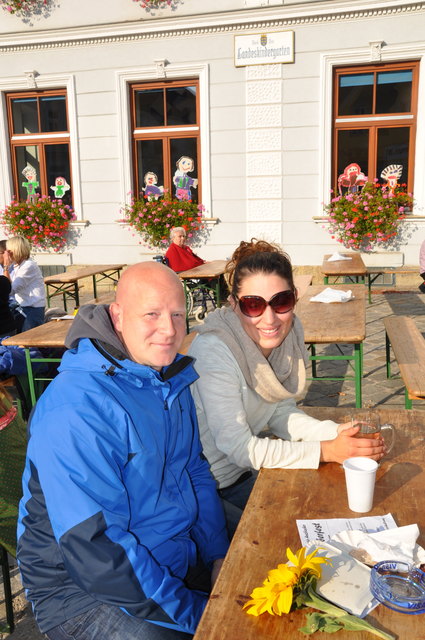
(118,499)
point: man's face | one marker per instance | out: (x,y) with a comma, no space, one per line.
(151,320)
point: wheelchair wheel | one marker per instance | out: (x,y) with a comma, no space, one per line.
(189,302)
(200,314)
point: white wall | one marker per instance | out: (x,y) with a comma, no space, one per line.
(268,137)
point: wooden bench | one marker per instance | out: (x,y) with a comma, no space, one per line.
(374,272)
(408,344)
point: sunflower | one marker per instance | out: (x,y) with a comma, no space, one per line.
(277,592)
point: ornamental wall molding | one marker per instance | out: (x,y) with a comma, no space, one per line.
(247,20)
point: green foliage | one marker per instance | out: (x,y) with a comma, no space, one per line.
(320,622)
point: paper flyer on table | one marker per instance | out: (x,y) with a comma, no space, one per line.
(323,530)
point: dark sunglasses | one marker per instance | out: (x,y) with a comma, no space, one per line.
(254,306)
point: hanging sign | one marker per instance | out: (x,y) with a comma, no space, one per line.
(264,48)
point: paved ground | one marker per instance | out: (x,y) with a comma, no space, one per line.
(377,390)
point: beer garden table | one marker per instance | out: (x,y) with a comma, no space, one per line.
(49,335)
(336,323)
(209,270)
(66,284)
(353,268)
(268,527)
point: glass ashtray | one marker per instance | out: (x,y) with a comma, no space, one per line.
(399,586)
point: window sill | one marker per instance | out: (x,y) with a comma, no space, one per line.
(409,217)
(80,223)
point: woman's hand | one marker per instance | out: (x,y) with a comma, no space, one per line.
(346,445)
(7,258)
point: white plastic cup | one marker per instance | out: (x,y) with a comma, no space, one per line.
(360,476)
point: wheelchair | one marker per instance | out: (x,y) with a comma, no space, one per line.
(200,295)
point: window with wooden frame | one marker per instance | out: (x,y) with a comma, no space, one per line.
(166,138)
(39,142)
(375,111)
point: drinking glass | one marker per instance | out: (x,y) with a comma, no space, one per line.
(371,427)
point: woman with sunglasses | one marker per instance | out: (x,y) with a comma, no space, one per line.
(251,360)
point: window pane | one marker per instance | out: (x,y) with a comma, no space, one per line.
(355,96)
(181,105)
(150,160)
(150,108)
(53,113)
(393,148)
(183,175)
(24,111)
(58,172)
(353,146)
(394,92)
(27,160)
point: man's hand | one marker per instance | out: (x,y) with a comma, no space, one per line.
(216,570)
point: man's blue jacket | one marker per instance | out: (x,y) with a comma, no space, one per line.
(118,499)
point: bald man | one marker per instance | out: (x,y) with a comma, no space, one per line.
(120,510)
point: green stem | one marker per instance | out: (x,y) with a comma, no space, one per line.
(349,621)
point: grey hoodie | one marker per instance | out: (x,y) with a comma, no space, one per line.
(93,321)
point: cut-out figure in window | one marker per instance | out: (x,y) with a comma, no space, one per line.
(182,181)
(352,178)
(61,186)
(152,192)
(391,175)
(31,184)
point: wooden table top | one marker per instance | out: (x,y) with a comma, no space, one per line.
(50,334)
(268,527)
(335,322)
(302,283)
(210,269)
(84,272)
(104,298)
(353,267)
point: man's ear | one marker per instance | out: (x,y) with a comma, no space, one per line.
(115,313)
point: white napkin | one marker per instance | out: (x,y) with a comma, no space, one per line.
(338,256)
(345,582)
(333,295)
(390,544)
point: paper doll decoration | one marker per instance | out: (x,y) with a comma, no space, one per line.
(352,178)
(61,187)
(391,175)
(182,181)
(31,184)
(152,192)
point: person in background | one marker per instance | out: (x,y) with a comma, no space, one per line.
(251,359)
(422,266)
(179,256)
(2,250)
(7,321)
(26,279)
(120,511)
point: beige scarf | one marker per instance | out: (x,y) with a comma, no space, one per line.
(276,378)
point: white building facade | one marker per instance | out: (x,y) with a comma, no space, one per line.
(269,97)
